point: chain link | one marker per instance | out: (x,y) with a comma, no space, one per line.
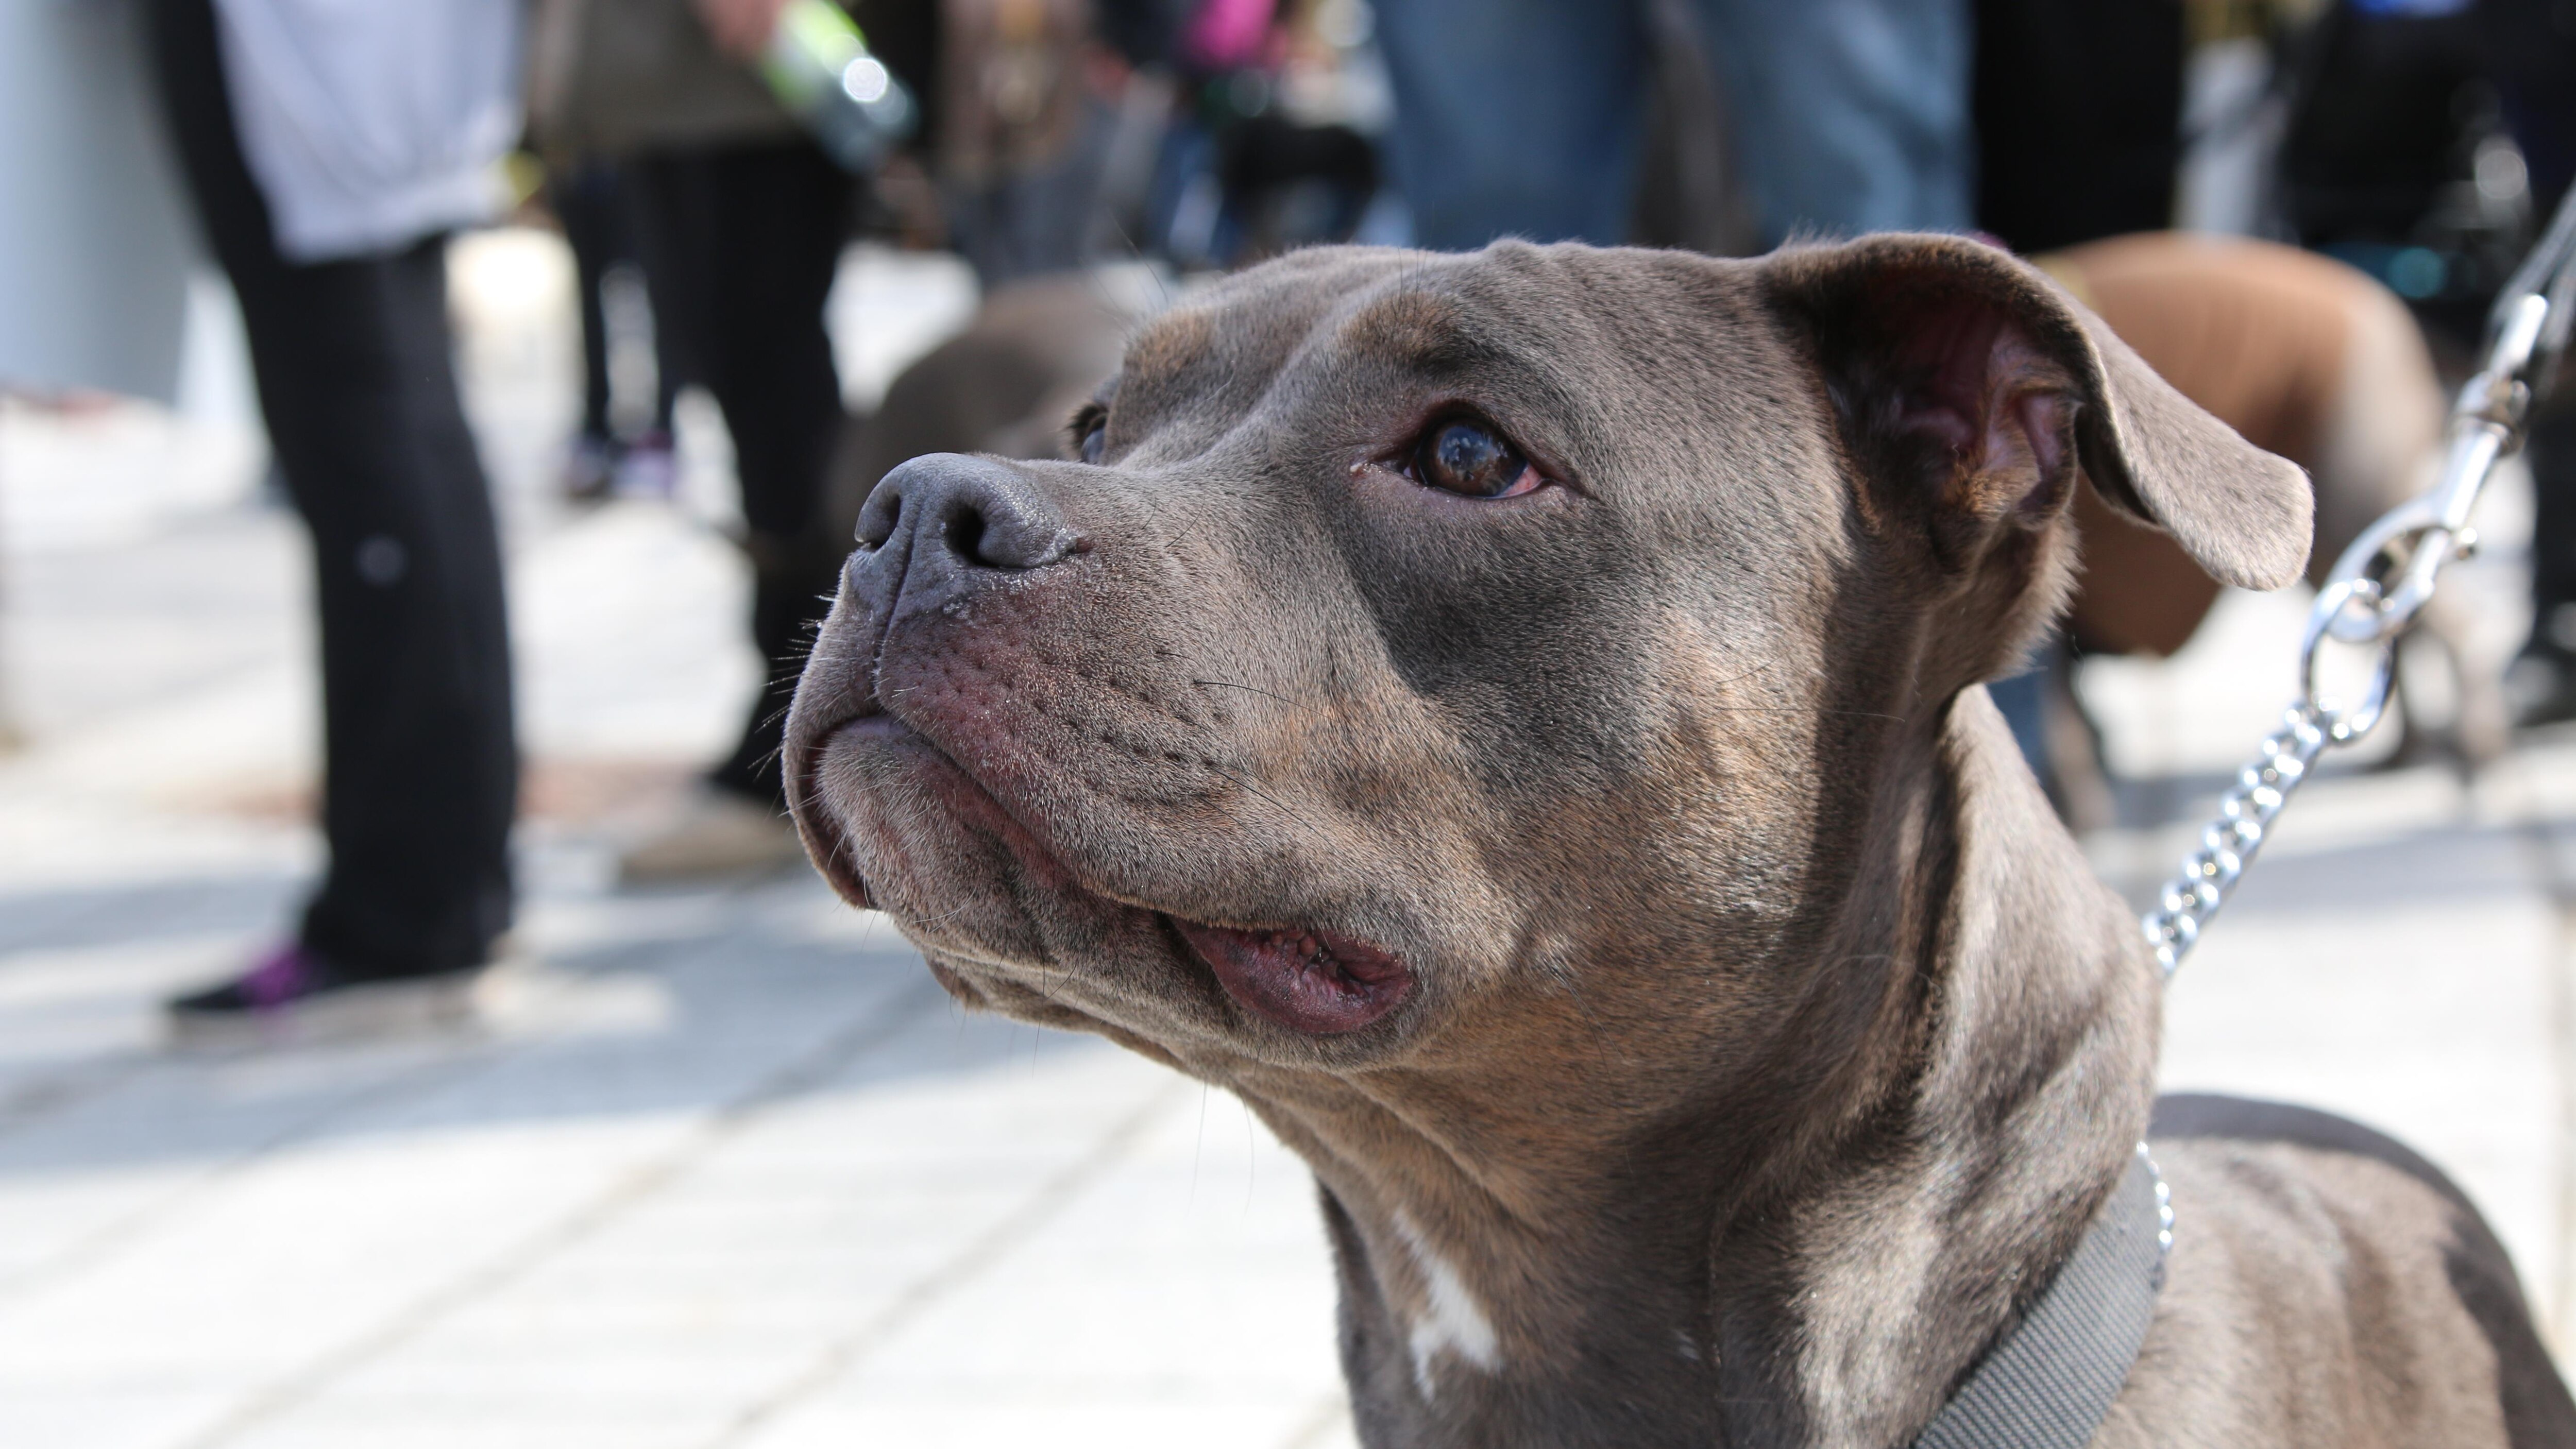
(2227,846)
(2380,583)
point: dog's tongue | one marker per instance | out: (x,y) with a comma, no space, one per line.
(1317,982)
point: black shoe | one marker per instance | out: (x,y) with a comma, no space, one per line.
(285,976)
(292,984)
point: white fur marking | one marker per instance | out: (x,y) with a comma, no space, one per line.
(1454,1320)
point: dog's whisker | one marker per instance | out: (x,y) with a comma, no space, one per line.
(1764,668)
(1248,689)
(1249,788)
(942,916)
(1793,709)
(846,852)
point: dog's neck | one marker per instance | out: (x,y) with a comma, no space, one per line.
(1807,1246)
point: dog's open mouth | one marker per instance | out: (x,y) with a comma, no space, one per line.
(1318,982)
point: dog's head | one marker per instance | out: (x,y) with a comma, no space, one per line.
(1430,650)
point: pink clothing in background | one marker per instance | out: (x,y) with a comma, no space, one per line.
(1229,34)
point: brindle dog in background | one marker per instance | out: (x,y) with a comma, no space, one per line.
(1515,720)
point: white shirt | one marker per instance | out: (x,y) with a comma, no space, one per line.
(370,124)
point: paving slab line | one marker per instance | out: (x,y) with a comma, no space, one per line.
(878,1024)
(101,1244)
(1041,1206)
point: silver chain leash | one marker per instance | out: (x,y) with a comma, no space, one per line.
(2380,584)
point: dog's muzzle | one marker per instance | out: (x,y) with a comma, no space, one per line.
(932,533)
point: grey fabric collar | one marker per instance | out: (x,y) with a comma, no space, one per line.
(2048,1382)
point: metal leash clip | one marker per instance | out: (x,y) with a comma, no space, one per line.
(2380,584)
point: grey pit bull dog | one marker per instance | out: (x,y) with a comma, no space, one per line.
(1515,720)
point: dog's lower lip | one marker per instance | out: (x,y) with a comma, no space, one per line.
(825,840)
(1320,983)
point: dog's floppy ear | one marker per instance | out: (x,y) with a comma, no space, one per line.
(1976,386)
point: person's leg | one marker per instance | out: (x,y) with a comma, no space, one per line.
(423,778)
(1850,115)
(2543,679)
(1514,117)
(770,367)
(747,240)
(357,387)
(662,213)
(583,199)
(586,205)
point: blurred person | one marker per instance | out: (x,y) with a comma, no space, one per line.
(330,151)
(2426,140)
(2078,114)
(1274,142)
(1526,117)
(2531,53)
(2392,115)
(741,218)
(609,455)
(1026,136)
(1206,132)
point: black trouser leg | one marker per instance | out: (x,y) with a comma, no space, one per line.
(586,203)
(739,247)
(2552,455)
(358,389)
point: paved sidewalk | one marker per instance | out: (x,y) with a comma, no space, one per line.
(722,1167)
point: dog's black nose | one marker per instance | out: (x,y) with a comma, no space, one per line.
(959,510)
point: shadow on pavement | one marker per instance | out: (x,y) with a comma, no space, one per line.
(739,1009)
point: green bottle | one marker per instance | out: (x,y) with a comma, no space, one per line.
(820,68)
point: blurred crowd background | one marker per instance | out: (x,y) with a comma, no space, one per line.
(522,364)
(188,175)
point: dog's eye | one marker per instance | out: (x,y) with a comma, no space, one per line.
(1090,432)
(1468,458)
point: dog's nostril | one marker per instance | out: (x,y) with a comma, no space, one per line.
(977,512)
(880,516)
(966,537)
